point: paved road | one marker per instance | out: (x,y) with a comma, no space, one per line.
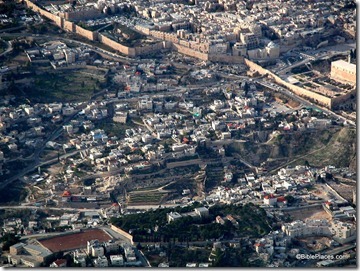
(288,68)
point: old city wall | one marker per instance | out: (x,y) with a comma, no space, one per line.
(50,16)
(326,101)
(69,26)
(91,13)
(148,49)
(123,233)
(190,52)
(157,34)
(91,35)
(341,99)
(142,29)
(117,46)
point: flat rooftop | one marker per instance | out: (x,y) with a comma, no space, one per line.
(345,65)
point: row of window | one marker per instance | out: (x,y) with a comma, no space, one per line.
(344,70)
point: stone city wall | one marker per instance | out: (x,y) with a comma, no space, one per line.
(117,46)
(85,14)
(91,35)
(44,13)
(148,49)
(199,46)
(171,37)
(144,30)
(69,26)
(123,233)
(343,98)
(325,101)
(190,52)
(157,34)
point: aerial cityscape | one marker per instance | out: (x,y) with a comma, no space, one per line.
(178,133)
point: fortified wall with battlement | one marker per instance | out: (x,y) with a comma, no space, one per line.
(169,40)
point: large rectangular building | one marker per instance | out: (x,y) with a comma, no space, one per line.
(343,71)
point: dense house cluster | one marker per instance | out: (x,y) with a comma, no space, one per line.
(58,54)
(94,158)
(257,30)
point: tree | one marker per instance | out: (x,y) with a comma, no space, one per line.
(219,258)
(290,199)
(319,179)
(166,147)
(8,240)
(139,246)
(328,176)
(43,29)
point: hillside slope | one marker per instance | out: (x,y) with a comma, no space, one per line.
(319,148)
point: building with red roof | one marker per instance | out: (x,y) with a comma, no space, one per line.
(66,195)
(270,200)
(59,263)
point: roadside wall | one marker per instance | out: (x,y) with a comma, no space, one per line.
(123,233)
